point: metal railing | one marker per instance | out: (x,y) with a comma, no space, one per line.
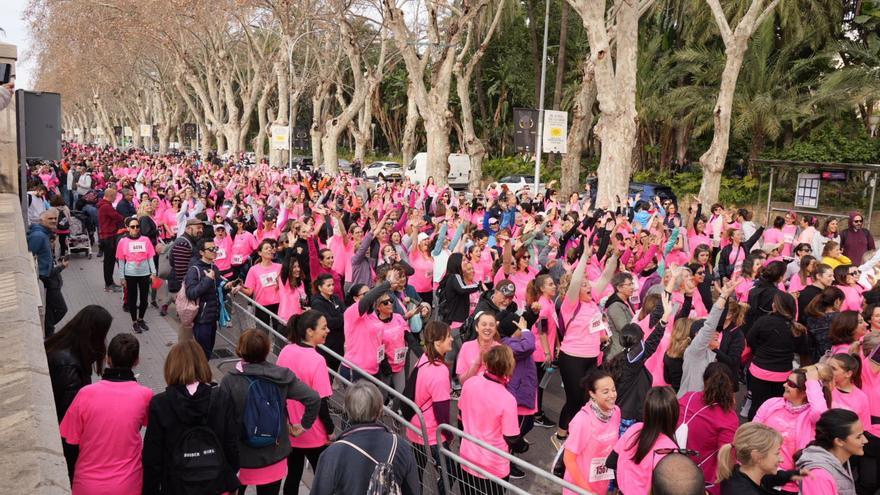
(469,483)
(394,421)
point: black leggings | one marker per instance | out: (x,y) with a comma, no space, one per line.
(296,463)
(473,485)
(267,489)
(761,391)
(266,317)
(572,370)
(541,372)
(138,292)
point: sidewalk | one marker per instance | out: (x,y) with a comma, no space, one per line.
(84,285)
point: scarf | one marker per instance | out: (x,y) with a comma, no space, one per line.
(602,415)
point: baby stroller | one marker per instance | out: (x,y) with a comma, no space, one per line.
(78,241)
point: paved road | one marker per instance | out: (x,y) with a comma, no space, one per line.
(83,285)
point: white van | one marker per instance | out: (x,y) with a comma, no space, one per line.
(459,169)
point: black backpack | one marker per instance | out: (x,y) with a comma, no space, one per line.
(409,391)
(198,461)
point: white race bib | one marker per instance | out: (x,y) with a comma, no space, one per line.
(399,355)
(380,353)
(598,325)
(268,279)
(634,299)
(221,254)
(237,259)
(598,470)
(788,238)
(137,247)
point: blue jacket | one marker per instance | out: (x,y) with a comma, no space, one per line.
(38,241)
(524,382)
(201,288)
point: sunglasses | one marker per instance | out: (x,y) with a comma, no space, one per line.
(667,451)
(384,302)
(793,384)
(134,227)
(212,249)
(857,221)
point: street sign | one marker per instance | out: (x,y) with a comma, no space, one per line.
(127,131)
(525,129)
(146,130)
(555,131)
(280,137)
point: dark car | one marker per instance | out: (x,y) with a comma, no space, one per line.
(647,189)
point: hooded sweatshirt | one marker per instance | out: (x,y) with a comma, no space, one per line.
(172,413)
(856,242)
(827,474)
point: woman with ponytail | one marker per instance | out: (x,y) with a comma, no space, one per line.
(750,465)
(710,417)
(540,306)
(846,392)
(305,332)
(839,436)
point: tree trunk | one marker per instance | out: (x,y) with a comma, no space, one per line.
(757,145)
(713,159)
(204,140)
(329,143)
(263,131)
(560,59)
(682,140)
(472,144)
(667,146)
(581,121)
(221,143)
(408,145)
(437,135)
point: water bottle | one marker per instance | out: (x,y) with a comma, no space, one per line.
(548,373)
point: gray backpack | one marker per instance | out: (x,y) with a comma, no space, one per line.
(382,482)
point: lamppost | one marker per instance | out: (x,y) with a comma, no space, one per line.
(540,136)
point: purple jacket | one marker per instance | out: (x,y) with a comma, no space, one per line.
(524,382)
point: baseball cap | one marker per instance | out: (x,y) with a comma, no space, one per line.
(506,288)
(508,324)
(493,220)
(195,221)
(422,236)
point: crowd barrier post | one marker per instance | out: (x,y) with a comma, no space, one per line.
(397,423)
(447,455)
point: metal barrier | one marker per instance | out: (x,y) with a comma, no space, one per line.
(428,470)
(470,484)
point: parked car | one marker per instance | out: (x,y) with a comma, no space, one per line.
(459,169)
(647,190)
(302,163)
(344,165)
(516,183)
(383,170)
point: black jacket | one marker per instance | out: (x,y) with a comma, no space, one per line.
(740,484)
(730,351)
(333,310)
(760,303)
(485,304)
(172,412)
(456,299)
(725,268)
(773,343)
(342,469)
(201,288)
(68,377)
(633,378)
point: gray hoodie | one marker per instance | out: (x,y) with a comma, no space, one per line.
(815,457)
(235,384)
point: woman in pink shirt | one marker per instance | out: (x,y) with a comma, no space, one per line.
(540,296)
(710,417)
(870,374)
(644,444)
(262,282)
(224,250)
(839,436)
(423,264)
(804,277)
(433,394)
(846,277)
(243,246)
(846,392)
(795,414)
(305,332)
(470,358)
(517,269)
(134,258)
(789,230)
(488,412)
(592,434)
(293,299)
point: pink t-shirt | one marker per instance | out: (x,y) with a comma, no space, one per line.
(856,401)
(852,298)
(871,388)
(591,440)
(469,355)
(341,255)
(548,314)
(290,299)
(423,278)
(819,481)
(432,385)
(583,330)
(520,281)
(394,340)
(636,477)
(264,280)
(795,284)
(134,250)
(742,290)
(264,475)
(105,419)
(773,236)
(224,253)
(311,368)
(243,246)
(788,236)
(488,412)
(363,340)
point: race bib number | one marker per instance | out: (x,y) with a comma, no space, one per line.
(399,355)
(137,247)
(221,254)
(634,299)
(598,325)
(380,353)
(788,238)
(237,259)
(268,279)
(599,471)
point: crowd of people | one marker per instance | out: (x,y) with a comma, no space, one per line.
(697,351)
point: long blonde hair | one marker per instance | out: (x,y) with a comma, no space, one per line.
(681,337)
(749,437)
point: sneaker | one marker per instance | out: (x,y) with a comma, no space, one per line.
(99,255)
(543,421)
(557,440)
(136,328)
(154,304)
(143,325)
(516,473)
(116,288)
(164,310)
